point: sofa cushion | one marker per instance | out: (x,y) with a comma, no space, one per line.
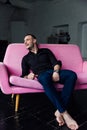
(69,54)
(28,83)
(82,77)
(22,82)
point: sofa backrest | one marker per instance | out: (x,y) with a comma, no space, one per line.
(69,54)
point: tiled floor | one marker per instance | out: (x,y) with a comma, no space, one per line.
(35,113)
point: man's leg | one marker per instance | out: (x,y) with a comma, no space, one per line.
(46,80)
(68,79)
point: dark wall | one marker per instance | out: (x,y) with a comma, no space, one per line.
(3,46)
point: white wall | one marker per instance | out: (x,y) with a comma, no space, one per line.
(84,40)
(9,14)
(41,18)
(18,31)
(70,12)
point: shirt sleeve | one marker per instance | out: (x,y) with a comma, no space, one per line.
(25,67)
(53,59)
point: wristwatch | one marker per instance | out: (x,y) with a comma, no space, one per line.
(56,71)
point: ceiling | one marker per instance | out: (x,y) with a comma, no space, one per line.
(21,3)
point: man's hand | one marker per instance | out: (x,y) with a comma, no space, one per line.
(30,76)
(55,76)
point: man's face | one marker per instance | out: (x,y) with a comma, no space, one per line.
(29,42)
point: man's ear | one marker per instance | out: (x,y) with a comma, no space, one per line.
(35,40)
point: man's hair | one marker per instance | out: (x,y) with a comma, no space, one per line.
(31,35)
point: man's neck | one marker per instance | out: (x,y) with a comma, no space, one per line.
(34,50)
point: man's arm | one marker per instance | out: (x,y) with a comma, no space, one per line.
(57,64)
(54,61)
(25,67)
(25,70)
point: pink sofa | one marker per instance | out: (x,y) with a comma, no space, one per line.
(10,69)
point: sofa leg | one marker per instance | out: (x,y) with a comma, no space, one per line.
(17,102)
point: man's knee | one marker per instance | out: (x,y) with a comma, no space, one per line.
(73,75)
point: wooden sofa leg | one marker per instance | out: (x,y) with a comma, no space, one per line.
(17,102)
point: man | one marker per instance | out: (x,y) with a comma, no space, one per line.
(48,70)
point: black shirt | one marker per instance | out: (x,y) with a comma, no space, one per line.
(43,60)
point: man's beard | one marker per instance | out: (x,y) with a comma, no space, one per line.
(31,47)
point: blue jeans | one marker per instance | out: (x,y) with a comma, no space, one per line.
(67,78)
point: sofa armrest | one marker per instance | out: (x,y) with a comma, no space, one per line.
(4,82)
(84,66)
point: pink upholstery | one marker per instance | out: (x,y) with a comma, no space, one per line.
(22,82)
(10,69)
